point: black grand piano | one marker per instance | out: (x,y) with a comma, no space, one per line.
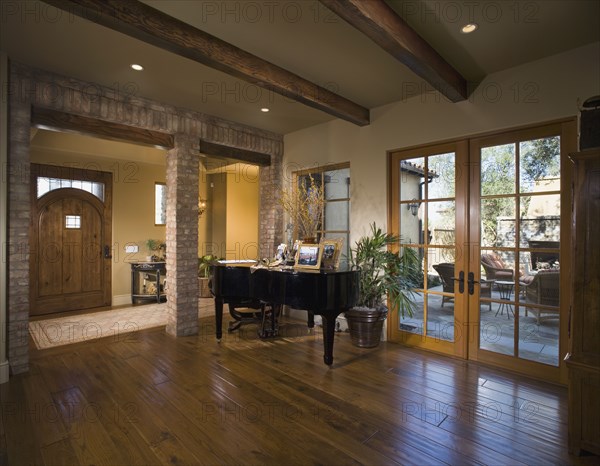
(327,293)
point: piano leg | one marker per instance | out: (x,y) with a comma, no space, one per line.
(272,330)
(219,317)
(328,336)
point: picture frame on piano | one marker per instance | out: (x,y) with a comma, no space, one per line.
(294,253)
(282,251)
(332,250)
(309,256)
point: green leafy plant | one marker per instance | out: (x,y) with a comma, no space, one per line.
(157,248)
(204,265)
(384,273)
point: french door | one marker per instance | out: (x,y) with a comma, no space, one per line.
(489,218)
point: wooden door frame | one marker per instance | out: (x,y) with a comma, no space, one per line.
(458,347)
(72,173)
(567,128)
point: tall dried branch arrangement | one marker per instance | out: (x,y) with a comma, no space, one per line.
(304,205)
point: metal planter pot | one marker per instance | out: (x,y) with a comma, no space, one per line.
(365,326)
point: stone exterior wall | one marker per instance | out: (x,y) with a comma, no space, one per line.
(33,87)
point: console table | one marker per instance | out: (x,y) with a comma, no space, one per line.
(148,281)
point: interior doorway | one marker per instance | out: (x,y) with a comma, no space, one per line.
(71,230)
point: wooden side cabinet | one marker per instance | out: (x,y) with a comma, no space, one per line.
(148,281)
(583,359)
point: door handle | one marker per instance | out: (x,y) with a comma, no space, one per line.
(107,254)
(461,281)
(471,283)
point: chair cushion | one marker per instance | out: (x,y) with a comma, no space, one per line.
(493,261)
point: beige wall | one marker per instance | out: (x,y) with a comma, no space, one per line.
(233,212)
(242,213)
(540,91)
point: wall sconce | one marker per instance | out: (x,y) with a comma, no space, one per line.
(201,207)
(413,207)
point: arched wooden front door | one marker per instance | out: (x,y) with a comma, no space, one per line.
(70,240)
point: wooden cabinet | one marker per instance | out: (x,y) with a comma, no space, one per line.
(148,281)
(583,360)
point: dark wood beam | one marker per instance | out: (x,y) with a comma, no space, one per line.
(150,25)
(378,21)
(228,152)
(68,122)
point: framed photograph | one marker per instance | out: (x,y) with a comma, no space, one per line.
(332,250)
(309,256)
(294,254)
(281,252)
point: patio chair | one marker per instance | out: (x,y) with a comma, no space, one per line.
(495,269)
(544,289)
(446,272)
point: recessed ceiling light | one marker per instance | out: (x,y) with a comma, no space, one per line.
(468,28)
(137,67)
(264,109)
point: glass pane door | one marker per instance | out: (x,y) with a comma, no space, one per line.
(518,197)
(489,218)
(429,216)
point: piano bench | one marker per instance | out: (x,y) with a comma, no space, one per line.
(243,316)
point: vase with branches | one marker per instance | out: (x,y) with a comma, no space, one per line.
(304,205)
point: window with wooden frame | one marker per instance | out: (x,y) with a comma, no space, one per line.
(335,181)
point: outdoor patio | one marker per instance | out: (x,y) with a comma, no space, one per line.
(537,341)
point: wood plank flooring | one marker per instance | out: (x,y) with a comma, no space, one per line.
(147,398)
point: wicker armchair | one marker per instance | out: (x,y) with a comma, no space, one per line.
(446,272)
(495,269)
(544,289)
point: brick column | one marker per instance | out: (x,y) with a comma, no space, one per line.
(271,232)
(182,236)
(18,232)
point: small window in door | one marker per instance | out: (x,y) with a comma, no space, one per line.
(73,222)
(46,184)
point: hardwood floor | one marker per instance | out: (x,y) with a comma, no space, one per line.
(147,398)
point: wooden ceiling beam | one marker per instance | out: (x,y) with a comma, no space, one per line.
(56,120)
(228,152)
(150,25)
(378,21)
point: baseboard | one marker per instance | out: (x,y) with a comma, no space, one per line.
(4,372)
(121,300)
(301,315)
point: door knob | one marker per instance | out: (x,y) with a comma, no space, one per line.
(461,281)
(471,281)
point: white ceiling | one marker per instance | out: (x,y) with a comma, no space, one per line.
(301,36)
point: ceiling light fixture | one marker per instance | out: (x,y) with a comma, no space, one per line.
(137,67)
(468,28)
(264,109)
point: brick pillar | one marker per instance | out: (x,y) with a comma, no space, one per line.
(182,237)
(270,214)
(18,232)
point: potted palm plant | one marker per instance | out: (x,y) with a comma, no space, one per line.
(383,274)
(204,274)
